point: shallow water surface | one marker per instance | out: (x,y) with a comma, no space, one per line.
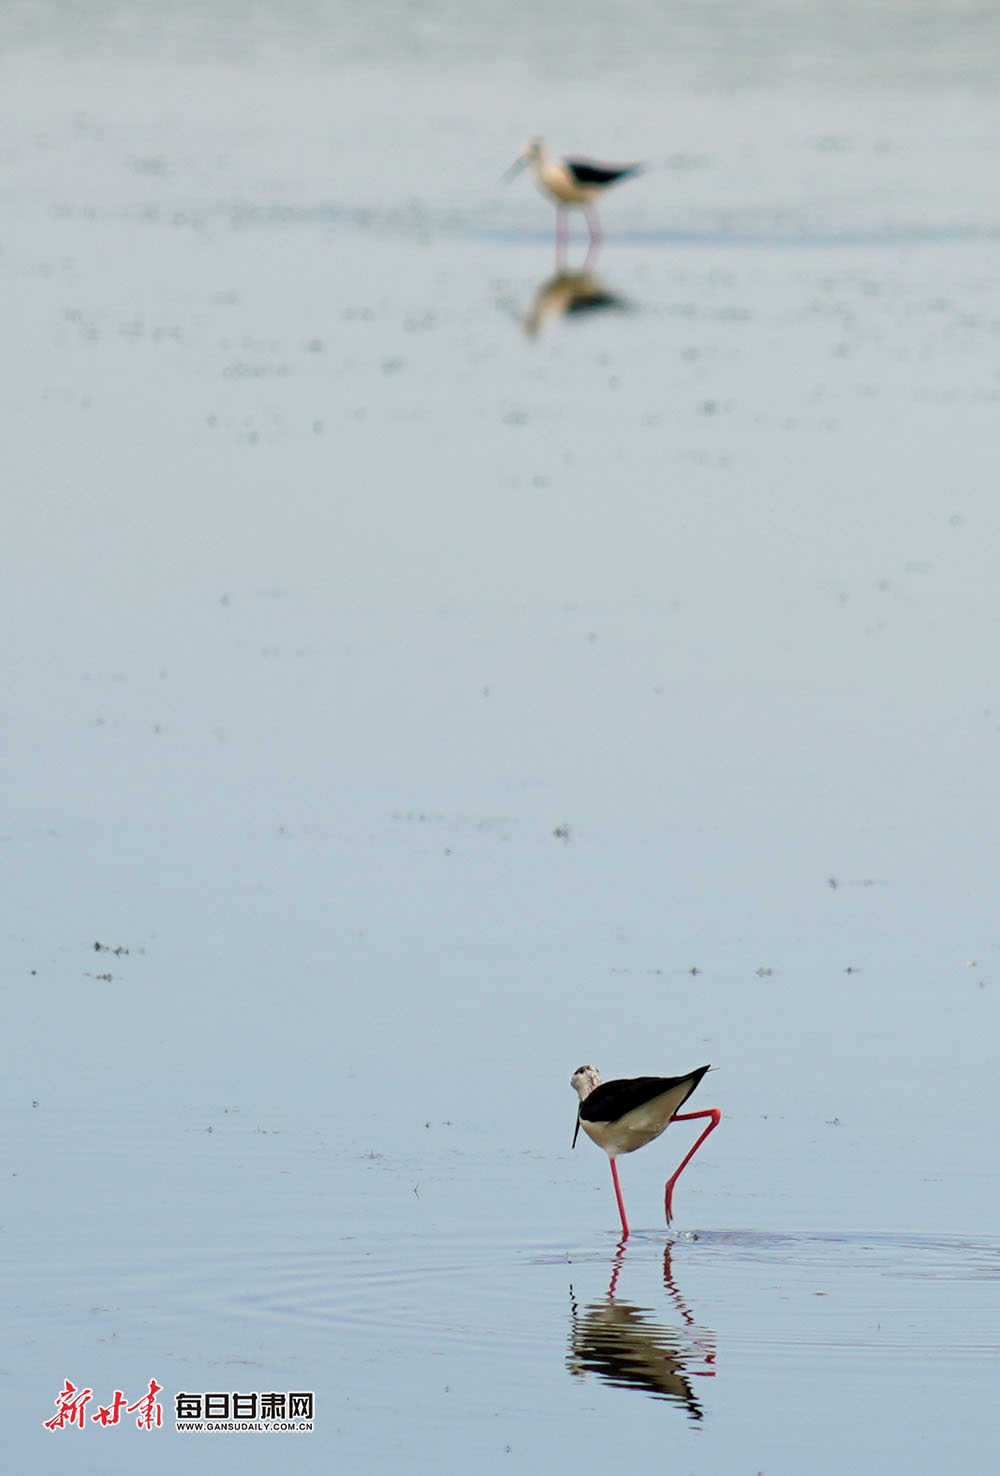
(434,1321)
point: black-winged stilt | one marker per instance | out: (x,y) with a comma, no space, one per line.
(572,184)
(622,1116)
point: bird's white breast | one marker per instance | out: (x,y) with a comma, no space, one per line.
(554,179)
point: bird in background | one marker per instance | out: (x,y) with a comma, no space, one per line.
(574,184)
(621,1116)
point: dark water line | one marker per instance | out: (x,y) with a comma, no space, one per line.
(916,236)
(412,223)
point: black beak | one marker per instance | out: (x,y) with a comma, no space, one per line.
(518,164)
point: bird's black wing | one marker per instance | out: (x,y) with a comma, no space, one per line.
(586,172)
(612,1099)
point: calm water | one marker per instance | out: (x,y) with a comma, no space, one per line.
(426,673)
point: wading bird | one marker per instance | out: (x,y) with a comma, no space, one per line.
(574,184)
(622,1116)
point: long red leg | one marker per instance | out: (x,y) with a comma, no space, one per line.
(594,227)
(618,1196)
(716,1116)
(562,237)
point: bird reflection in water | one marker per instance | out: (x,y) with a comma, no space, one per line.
(625,1346)
(571,294)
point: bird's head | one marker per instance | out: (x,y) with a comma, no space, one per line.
(532,153)
(584,1080)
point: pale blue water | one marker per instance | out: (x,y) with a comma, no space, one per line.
(401,709)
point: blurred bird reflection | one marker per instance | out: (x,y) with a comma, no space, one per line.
(567,294)
(628,1348)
